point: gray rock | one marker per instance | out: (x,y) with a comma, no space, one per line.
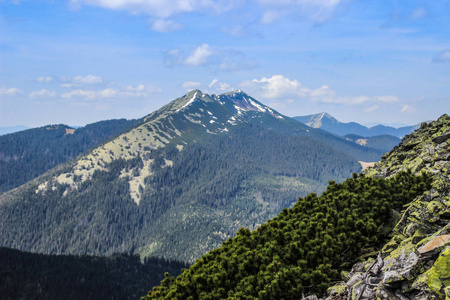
(431,150)
(442,138)
(401,267)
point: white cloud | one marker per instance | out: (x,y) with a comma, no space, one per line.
(386,99)
(163,25)
(219,87)
(89,95)
(372,108)
(199,56)
(205,55)
(139,90)
(315,10)
(10,92)
(191,85)
(280,87)
(160,11)
(43,93)
(88,79)
(131,91)
(442,57)
(81,80)
(408,108)
(323,91)
(157,8)
(45,79)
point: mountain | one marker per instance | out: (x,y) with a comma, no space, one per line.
(327,122)
(380,142)
(38,276)
(415,262)
(12,129)
(382,234)
(179,183)
(27,154)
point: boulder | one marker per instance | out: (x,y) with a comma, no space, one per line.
(435,243)
(442,138)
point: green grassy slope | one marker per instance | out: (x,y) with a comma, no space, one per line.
(28,154)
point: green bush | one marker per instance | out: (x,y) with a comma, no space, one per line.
(303,249)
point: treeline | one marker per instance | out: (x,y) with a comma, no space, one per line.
(31,276)
(215,169)
(383,143)
(27,154)
(212,189)
(303,249)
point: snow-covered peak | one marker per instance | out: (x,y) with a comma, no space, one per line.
(243,102)
(191,100)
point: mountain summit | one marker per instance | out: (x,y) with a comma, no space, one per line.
(178,123)
(181,181)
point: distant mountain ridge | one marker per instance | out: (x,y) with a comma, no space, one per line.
(327,122)
(27,154)
(178,183)
(383,142)
(12,129)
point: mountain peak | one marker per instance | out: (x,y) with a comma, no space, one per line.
(327,116)
(242,102)
(235,93)
(318,120)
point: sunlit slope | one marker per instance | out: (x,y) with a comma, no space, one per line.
(178,184)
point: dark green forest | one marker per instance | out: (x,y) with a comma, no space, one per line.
(205,190)
(34,276)
(383,143)
(303,249)
(27,154)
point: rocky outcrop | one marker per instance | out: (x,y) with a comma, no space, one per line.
(415,263)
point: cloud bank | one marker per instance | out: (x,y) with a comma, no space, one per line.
(282,88)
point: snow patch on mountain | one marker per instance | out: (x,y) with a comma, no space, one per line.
(189,102)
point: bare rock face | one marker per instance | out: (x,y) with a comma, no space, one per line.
(415,263)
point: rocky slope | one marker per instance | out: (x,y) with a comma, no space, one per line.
(415,263)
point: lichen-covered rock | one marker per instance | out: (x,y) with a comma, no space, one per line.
(402,264)
(415,263)
(437,279)
(435,243)
(337,290)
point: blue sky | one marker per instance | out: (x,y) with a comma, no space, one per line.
(81,61)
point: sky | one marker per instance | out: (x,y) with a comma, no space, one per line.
(77,62)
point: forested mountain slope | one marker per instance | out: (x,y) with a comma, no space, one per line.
(383,143)
(26,275)
(27,154)
(179,183)
(305,249)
